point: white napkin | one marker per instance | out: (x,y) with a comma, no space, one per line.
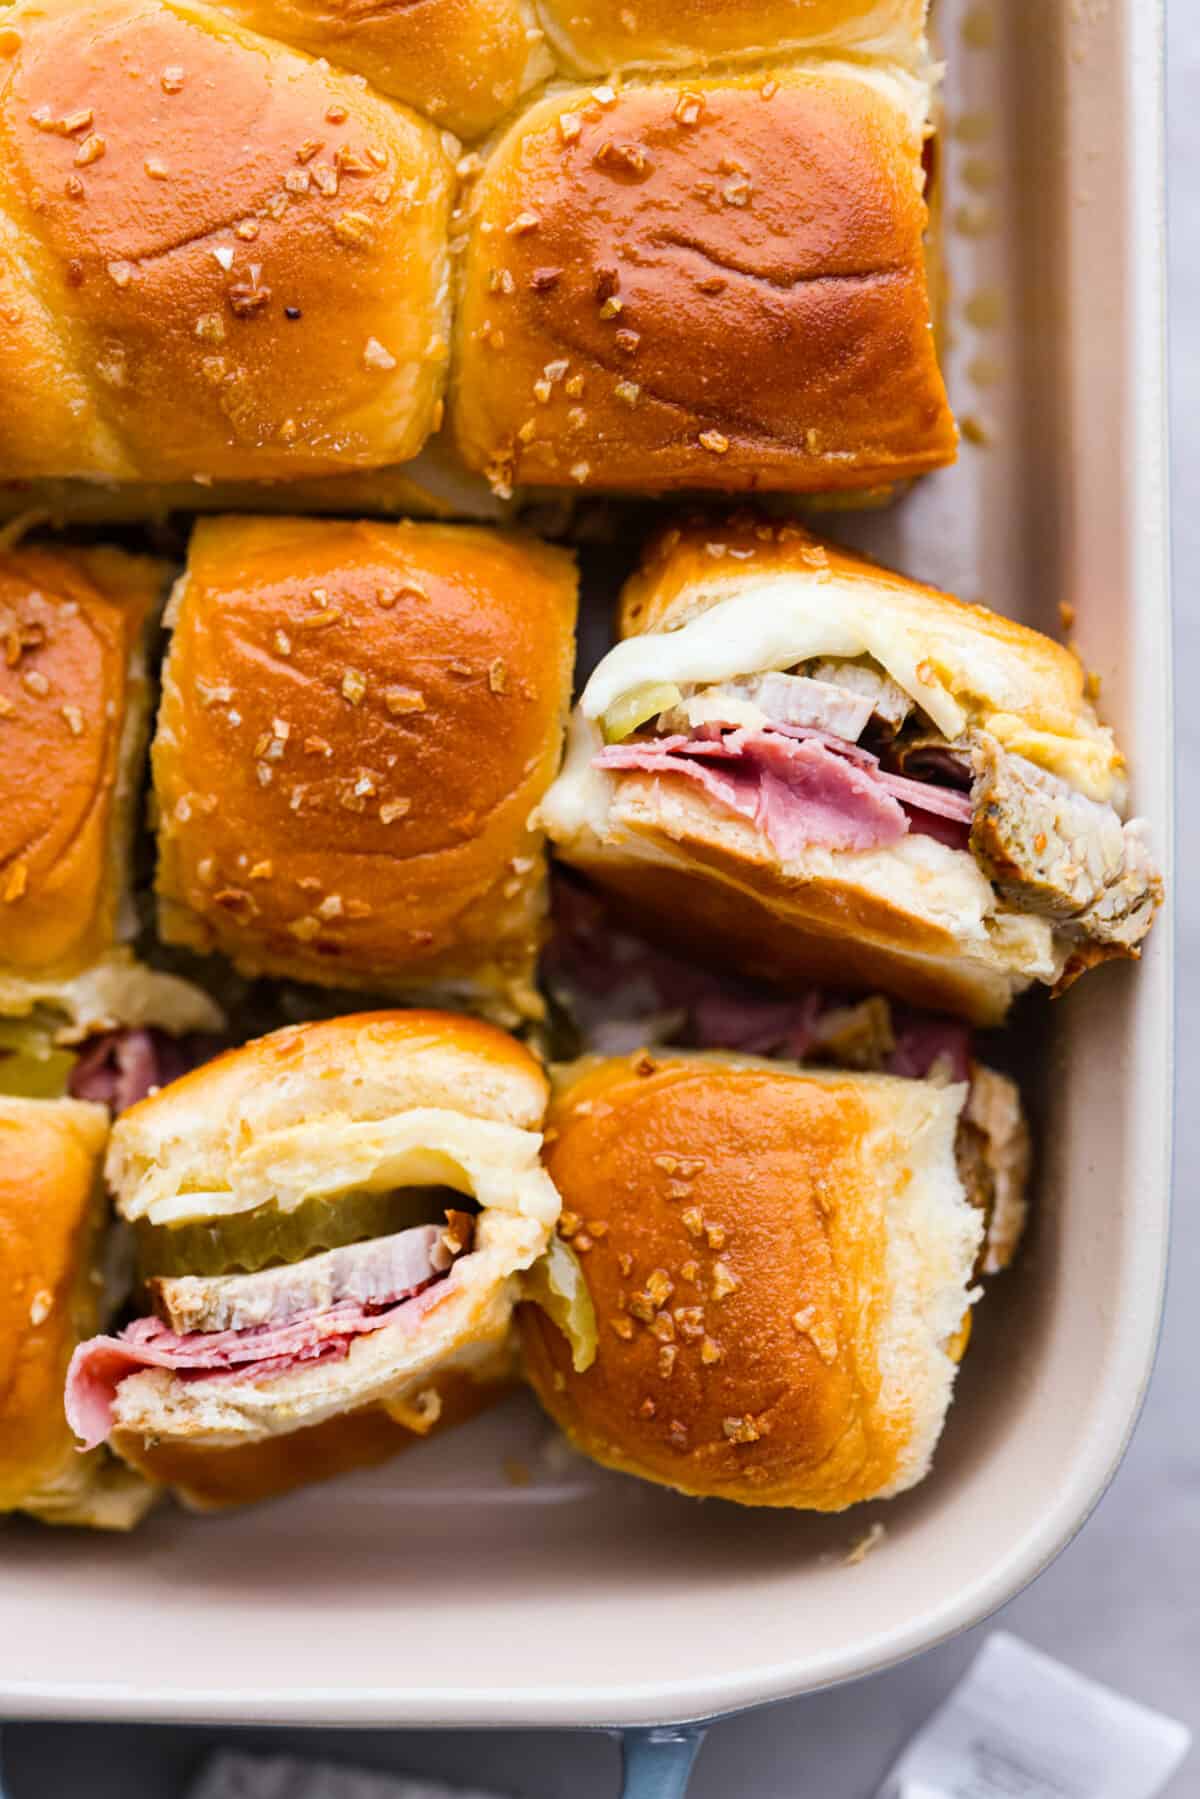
(1019,1723)
(232,1776)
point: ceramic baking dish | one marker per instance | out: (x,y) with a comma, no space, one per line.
(492,1578)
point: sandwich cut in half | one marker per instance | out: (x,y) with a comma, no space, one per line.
(818,770)
(781,1263)
(331,1225)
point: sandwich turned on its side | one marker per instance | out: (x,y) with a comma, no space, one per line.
(818,769)
(331,1224)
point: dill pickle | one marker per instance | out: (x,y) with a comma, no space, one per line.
(266,1237)
(556,1283)
(31,1067)
(636,708)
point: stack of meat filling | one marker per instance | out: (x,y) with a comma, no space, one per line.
(806,767)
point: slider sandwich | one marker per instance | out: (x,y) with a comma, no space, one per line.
(358,721)
(224,259)
(781,1262)
(73,724)
(705,281)
(813,769)
(332,1224)
(53,1228)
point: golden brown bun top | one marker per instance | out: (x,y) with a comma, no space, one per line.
(643,267)
(418,1058)
(233,259)
(1028,689)
(50,1154)
(70,622)
(312,1080)
(364,711)
(592,36)
(463,63)
(729,1220)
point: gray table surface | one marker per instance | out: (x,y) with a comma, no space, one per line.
(1123,1603)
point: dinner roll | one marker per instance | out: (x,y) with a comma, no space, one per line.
(463,63)
(52,1214)
(780,1262)
(357,723)
(592,37)
(715,282)
(221,259)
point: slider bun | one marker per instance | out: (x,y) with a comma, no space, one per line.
(50,1214)
(130,350)
(593,37)
(420,677)
(463,63)
(800,1241)
(1013,681)
(741,228)
(73,698)
(210,1479)
(197,1133)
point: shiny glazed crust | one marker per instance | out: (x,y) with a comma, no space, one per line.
(50,1214)
(778,1262)
(592,37)
(463,63)
(72,710)
(642,267)
(358,721)
(217,257)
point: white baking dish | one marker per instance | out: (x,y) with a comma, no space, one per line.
(441,1590)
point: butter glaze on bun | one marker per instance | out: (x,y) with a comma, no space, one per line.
(51,1216)
(592,37)
(218,258)
(463,63)
(780,1263)
(358,721)
(715,282)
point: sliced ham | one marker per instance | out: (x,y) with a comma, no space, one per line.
(597,970)
(797,791)
(118,1068)
(802,788)
(929,1044)
(263,1351)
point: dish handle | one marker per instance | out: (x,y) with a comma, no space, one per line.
(657,1763)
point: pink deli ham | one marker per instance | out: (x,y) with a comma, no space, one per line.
(118,1068)
(100,1365)
(802,788)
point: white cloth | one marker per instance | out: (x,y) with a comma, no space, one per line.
(1019,1723)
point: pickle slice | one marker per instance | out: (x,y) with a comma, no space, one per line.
(636,707)
(31,1066)
(556,1283)
(244,1242)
